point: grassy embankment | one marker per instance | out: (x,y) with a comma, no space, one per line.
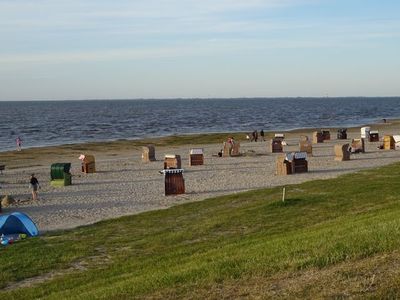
(338,237)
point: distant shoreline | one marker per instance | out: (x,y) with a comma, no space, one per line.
(31,156)
(195,135)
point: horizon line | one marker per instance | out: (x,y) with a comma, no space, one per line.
(201,98)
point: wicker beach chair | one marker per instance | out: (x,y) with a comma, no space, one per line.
(196,157)
(358,145)
(148,153)
(172,161)
(305,145)
(342,152)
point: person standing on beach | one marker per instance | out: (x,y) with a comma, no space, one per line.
(253,136)
(18,141)
(34,186)
(262,135)
(231,142)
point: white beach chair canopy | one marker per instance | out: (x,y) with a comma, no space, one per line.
(296,155)
(196,151)
(396,138)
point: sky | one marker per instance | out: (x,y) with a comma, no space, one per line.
(128,49)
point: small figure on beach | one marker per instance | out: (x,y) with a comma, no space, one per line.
(18,141)
(34,186)
(262,135)
(231,142)
(254,136)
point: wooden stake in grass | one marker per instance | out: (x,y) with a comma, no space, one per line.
(283,194)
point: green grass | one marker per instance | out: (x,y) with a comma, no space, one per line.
(330,238)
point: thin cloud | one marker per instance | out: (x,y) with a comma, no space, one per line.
(210,47)
(55,13)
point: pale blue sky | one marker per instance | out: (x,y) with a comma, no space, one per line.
(100,49)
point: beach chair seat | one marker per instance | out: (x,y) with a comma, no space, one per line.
(373,136)
(326,135)
(342,134)
(358,145)
(318,137)
(276,145)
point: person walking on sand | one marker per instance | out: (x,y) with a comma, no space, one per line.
(18,141)
(262,135)
(253,136)
(34,186)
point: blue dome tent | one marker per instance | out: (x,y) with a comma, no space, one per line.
(16,223)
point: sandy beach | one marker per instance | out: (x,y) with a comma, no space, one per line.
(124,185)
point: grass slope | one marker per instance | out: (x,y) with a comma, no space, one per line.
(330,238)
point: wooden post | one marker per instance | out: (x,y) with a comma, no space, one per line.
(283,194)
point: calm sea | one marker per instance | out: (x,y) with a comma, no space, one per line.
(41,123)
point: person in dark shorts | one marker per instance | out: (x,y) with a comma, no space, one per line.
(254,136)
(34,186)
